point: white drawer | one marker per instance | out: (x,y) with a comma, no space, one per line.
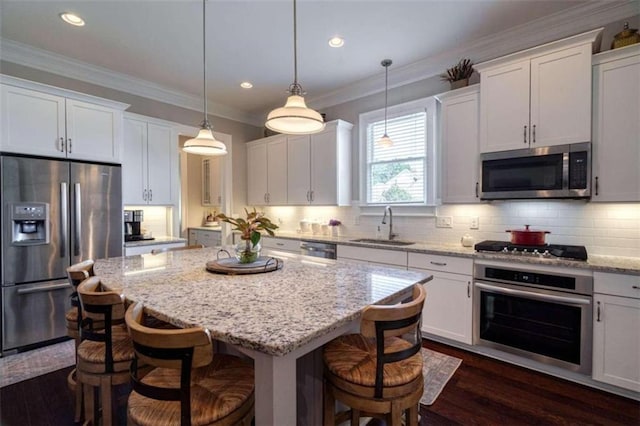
(388,257)
(281,244)
(434,262)
(617,284)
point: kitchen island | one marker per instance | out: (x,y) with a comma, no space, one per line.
(275,318)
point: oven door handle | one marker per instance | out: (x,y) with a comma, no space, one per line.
(531,295)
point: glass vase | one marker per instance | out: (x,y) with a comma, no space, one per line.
(246,252)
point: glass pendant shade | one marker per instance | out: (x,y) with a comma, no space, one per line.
(385,141)
(205,144)
(294,118)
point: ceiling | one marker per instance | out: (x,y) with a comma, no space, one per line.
(159,42)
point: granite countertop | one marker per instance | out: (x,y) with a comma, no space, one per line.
(614,264)
(274,313)
(155,241)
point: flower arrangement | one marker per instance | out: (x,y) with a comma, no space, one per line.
(248,250)
(462,71)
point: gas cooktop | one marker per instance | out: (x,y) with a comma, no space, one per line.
(545,251)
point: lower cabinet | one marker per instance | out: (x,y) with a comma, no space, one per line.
(208,238)
(616,321)
(448,307)
(281,244)
(393,258)
(145,249)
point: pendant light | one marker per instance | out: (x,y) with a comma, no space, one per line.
(385,140)
(294,118)
(205,143)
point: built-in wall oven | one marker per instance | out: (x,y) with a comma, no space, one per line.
(538,312)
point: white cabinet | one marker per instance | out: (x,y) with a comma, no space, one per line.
(616,125)
(208,238)
(459,145)
(448,308)
(538,97)
(211,181)
(147,248)
(150,161)
(48,123)
(319,166)
(616,340)
(385,257)
(280,244)
(267,171)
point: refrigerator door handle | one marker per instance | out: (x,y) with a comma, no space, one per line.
(78,220)
(43,288)
(64,219)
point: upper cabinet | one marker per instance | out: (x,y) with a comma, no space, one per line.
(319,166)
(44,120)
(459,145)
(616,125)
(150,162)
(538,97)
(267,171)
(211,181)
(302,169)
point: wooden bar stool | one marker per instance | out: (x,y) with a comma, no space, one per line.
(76,274)
(105,353)
(377,372)
(189,384)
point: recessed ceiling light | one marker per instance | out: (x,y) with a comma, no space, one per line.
(246,85)
(72,18)
(336,41)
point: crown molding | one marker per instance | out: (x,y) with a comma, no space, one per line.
(543,30)
(563,24)
(43,60)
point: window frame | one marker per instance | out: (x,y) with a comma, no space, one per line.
(426,208)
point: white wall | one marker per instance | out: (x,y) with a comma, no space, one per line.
(604,228)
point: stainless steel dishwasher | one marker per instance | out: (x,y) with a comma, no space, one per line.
(316,249)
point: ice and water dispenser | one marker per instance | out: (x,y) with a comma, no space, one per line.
(30,224)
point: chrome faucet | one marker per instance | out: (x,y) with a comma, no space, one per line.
(384,219)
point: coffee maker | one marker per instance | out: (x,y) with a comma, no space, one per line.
(132,221)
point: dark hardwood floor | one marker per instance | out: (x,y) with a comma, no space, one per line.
(483,391)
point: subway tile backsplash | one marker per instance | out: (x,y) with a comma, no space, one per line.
(604,228)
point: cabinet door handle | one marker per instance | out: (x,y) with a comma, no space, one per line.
(150,195)
(534,133)
(69,146)
(308,196)
(524,134)
(468,289)
(144,194)
(597,186)
(438,263)
(219,199)
(61,144)
(598,312)
(635,287)
(265,197)
(312,196)
(477,188)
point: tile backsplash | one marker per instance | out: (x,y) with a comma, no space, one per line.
(604,228)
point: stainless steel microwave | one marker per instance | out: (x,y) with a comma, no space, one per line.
(562,171)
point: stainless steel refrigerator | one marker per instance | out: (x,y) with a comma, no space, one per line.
(54,213)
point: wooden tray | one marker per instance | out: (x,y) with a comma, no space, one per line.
(231,266)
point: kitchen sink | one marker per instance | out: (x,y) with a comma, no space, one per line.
(384,242)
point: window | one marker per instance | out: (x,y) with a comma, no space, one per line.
(401,174)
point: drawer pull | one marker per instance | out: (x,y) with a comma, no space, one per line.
(280,244)
(598,313)
(438,263)
(635,287)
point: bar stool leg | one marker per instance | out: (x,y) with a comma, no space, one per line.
(105,395)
